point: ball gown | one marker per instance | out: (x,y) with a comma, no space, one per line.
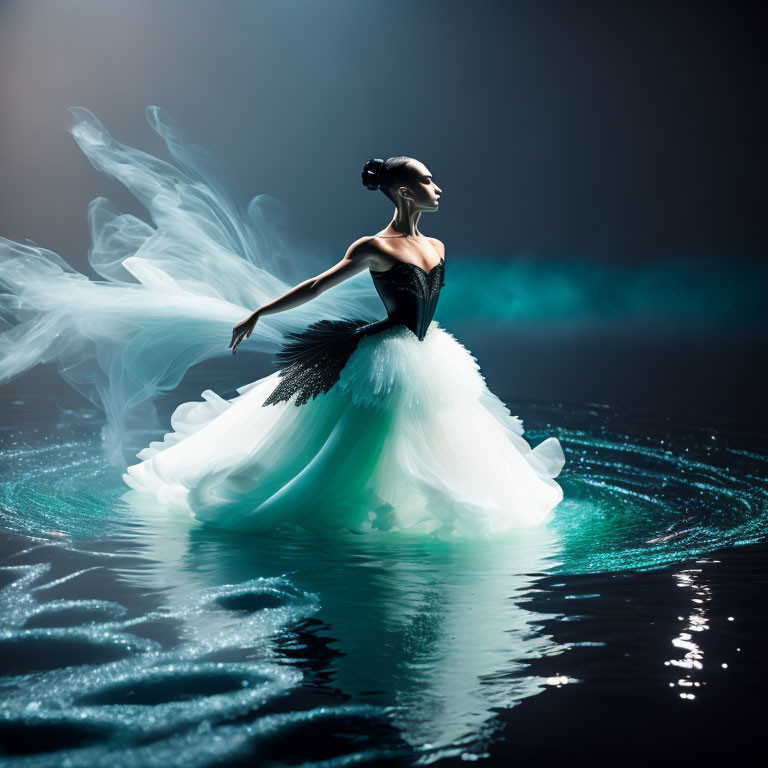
(369,424)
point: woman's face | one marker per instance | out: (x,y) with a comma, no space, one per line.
(422,189)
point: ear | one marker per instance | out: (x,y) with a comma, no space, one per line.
(404,192)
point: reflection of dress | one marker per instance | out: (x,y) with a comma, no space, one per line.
(366,426)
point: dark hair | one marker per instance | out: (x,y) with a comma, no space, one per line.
(379,173)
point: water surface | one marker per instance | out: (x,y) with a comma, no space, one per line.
(134,637)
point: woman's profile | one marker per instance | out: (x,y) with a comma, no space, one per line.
(367,425)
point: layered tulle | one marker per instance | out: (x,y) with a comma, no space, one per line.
(410,439)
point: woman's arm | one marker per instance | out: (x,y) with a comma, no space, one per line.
(356,259)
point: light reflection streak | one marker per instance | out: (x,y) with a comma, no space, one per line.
(693,657)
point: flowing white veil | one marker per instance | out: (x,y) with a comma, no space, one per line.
(170,290)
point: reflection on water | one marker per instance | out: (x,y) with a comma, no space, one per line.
(131,633)
(424,628)
(696,621)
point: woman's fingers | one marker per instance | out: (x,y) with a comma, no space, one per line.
(237,337)
(241,332)
(236,331)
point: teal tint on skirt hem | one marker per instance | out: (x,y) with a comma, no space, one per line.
(410,439)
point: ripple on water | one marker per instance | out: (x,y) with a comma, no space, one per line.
(79,677)
(79,689)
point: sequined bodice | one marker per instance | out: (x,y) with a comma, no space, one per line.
(410,293)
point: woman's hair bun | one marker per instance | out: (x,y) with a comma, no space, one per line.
(371,173)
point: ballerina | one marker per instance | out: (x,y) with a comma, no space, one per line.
(369,424)
(384,425)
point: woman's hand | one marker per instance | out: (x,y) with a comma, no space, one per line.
(243,330)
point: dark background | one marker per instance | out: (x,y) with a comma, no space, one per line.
(620,133)
(614,137)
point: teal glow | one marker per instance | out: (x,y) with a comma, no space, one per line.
(526,288)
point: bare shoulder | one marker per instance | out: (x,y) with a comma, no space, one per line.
(367,250)
(362,248)
(439,245)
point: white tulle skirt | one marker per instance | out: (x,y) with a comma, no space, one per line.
(409,439)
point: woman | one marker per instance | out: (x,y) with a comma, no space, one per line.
(384,425)
(368,424)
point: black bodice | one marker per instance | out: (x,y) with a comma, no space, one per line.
(311,360)
(410,294)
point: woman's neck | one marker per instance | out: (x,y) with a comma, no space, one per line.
(405,222)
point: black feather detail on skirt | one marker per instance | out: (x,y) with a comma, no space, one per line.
(312,359)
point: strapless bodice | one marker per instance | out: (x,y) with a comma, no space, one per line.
(311,360)
(410,294)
